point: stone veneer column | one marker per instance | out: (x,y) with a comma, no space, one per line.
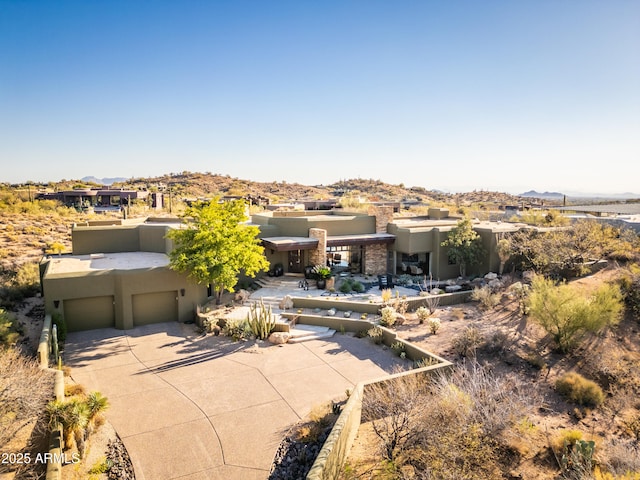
(376,255)
(319,255)
(375,259)
(383,214)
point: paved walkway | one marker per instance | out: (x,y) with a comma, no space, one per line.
(194,407)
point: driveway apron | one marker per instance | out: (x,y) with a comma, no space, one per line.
(203,407)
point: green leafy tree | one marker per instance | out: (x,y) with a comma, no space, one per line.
(465,245)
(216,244)
(567,315)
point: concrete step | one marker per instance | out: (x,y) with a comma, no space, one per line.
(302,333)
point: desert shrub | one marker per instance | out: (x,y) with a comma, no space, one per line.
(387,316)
(394,408)
(434,324)
(399,349)
(357,287)
(486,297)
(450,427)
(375,333)
(422,313)
(346,286)
(25,391)
(579,390)
(567,315)
(74,389)
(631,426)
(432,302)
(577,460)
(467,342)
(9,333)
(386,295)
(622,459)
(536,360)
(237,329)
(630,286)
(497,341)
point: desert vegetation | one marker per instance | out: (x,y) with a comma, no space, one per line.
(557,348)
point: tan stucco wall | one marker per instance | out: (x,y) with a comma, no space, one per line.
(105,239)
(124,238)
(298,225)
(122,285)
(153,238)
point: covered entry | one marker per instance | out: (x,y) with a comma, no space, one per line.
(89,313)
(155,307)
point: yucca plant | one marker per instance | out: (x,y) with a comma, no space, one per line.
(261,320)
(96,403)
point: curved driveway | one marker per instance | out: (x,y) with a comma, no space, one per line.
(203,407)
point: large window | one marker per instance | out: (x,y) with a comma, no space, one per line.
(345,258)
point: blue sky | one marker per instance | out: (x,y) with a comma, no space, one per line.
(453,95)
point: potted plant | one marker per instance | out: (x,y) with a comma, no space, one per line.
(322,273)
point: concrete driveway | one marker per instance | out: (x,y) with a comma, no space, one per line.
(194,407)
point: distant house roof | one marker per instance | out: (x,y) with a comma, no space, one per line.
(617,208)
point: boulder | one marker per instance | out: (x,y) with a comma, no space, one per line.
(495,284)
(490,276)
(286,303)
(241,296)
(452,288)
(400,319)
(279,338)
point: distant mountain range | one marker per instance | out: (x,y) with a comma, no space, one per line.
(579,195)
(103,181)
(546,195)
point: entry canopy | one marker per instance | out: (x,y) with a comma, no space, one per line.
(361,239)
(287,244)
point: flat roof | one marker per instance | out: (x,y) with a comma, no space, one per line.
(618,208)
(96,262)
(287,244)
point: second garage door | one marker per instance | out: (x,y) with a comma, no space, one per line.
(155,307)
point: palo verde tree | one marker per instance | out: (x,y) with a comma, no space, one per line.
(216,244)
(567,314)
(465,246)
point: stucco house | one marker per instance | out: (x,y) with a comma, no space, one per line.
(119,276)
(375,242)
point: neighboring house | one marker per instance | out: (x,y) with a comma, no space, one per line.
(118,276)
(102,199)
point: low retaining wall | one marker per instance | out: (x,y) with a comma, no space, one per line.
(54,465)
(44,345)
(344,302)
(334,452)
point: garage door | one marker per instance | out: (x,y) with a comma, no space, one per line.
(155,307)
(89,313)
